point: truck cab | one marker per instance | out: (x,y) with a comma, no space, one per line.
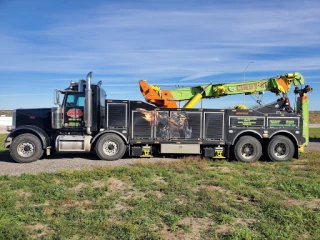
(69,127)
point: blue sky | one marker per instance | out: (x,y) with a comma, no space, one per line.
(45,44)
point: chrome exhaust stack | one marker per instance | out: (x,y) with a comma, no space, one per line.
(81,85)
(88,105)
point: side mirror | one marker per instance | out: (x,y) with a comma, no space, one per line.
(57,97)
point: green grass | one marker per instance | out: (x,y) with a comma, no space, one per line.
(190,198)
(2,138)
(3,151)
(193,198)
(314,133)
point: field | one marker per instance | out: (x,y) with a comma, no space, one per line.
(191,198)
(314,117)
(314,134)
(8,113)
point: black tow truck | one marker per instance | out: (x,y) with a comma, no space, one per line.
(85,120)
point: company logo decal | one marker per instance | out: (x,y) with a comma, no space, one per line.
(75,113)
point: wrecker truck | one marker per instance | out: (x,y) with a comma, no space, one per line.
(85,120)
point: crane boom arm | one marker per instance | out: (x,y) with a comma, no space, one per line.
(168,98)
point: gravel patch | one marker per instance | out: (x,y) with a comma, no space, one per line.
(72,161)
(77,161)
(313,146)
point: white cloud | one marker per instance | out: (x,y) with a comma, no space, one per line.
(174,41)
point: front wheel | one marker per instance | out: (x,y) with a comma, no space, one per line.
(26,148)
(280,149)
(110,147)
(248,149)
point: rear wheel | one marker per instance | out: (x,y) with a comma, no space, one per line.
(248,149)
(280,149)
(26,148)
(110,147)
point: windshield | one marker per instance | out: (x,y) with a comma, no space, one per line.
(75,100)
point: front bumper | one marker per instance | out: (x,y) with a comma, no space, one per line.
(7,142)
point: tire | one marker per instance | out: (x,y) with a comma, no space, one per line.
(280,149)
(110,147)
(26,148)
(248,149)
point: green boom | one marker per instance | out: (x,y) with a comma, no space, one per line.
(276,85)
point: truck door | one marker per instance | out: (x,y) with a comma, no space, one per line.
(74,110)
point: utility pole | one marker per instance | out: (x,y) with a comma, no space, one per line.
(244,79)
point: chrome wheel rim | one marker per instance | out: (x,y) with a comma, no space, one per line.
(110,148)
(247,150)
(281,150)
(26,149)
